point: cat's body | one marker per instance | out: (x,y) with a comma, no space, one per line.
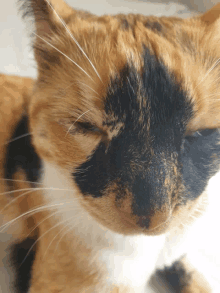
(102,165)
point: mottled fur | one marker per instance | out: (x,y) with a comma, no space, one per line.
(113,156)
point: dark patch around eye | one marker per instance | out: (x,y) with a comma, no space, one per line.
(207,132)
(204,132)
(88,127)
(200,159)
(21,154)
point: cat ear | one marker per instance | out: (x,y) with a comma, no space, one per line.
(49,18)
(47,14)
(211,15)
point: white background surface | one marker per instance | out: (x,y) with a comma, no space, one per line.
(16,58)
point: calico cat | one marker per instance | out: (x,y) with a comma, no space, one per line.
(106,157)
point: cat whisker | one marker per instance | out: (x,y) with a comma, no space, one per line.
(62,236)
(185,225)
(82,170)
(31,212)
(214,95)
(131,85)
(63,55)
(24,181)
(167,220)
(208,72)
(21,136)
(74,39)
(29,190)
(58,233)
(42,237)
(15,199)
(50,216)
(86,85)
(194,217)
(36,188)
(76,121)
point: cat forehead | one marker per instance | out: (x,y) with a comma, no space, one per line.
(75,48)
(152,99)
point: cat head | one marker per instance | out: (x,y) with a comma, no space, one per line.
(129,106)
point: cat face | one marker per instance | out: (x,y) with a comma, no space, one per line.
(129,107)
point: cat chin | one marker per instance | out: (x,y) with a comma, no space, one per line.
(123,225)
(129,228)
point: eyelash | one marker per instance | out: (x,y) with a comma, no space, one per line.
(203,132)
(86,127)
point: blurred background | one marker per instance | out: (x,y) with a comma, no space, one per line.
(16,58)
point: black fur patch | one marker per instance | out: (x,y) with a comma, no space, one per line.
(175,277)
(149,152)
(154,26)
(125,24)
(200,160)
(23,260)
(156,96)
(21,154)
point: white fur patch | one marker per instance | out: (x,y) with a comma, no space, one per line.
(129,260)
(133,261)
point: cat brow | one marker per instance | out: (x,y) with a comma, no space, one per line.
(63,55)
(71,35)
(208,72)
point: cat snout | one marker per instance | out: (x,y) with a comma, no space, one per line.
(155,223)
(152,221)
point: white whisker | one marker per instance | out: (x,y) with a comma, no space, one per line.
(76,121)
(170,216)
(62,236)
(213,67)
(24,181)
(131,86)
(42,237)
(58,233)
(39,209)
(15,199)
(50,216)
(64,55)
(36,188)
(29,190)
(21,136)
(71,35)
(43,221)
(86,85)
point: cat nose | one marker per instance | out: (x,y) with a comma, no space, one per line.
(156,222)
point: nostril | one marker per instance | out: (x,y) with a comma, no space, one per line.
(155,221)
(143,222)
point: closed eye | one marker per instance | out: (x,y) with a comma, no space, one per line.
(204,132)
(85,127)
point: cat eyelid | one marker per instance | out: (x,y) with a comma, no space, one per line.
(202,132)
(89,127)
